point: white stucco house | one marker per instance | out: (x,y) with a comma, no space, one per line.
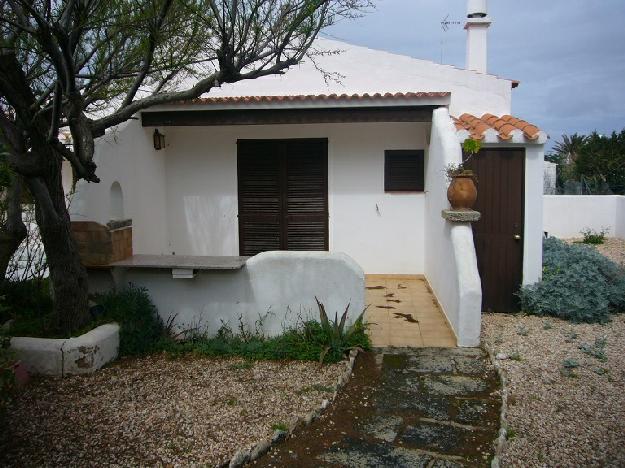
(355,166)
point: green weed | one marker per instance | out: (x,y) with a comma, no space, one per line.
(596,350)
(280,427)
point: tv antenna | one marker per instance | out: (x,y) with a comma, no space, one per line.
(446,24)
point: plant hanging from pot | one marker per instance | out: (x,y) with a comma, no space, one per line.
(462,191)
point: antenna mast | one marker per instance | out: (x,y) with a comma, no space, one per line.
(446,24)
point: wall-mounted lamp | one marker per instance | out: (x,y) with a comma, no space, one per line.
(159,140)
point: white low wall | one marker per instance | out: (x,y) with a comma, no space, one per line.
(280,286)
(81,355)
(450,261)
(566,215)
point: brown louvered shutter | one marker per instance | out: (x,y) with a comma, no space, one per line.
(259,197)
(404,171)
(306,195)
(283,195)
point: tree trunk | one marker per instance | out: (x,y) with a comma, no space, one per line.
(68,275)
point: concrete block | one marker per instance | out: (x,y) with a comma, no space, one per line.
(89,352)
(39,355)
(80,355)
(461,216)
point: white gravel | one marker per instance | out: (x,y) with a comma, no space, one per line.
(560,420)
(614,249)
(561,417)
(159,411)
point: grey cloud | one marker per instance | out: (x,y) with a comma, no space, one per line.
(568,54)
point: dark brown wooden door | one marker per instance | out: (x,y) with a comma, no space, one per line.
(498,235)
(283,195)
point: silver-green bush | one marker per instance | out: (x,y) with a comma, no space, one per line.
(579,284)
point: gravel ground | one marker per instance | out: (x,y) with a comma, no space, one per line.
(158,411)
(558,419)
(563,416)
(614,249)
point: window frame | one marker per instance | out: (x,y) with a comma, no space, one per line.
(391,185)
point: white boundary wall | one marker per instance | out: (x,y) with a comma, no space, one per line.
(450,260)
(566,215)
(282,283)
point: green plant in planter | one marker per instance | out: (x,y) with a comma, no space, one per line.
(470,147)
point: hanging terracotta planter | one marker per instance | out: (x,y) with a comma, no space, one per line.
(462,191)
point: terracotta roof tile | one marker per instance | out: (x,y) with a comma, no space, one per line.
(504,126)
(316,98)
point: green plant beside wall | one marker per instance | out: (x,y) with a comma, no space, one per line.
(325,340)
(141,328)
(579,284)
(338,339)
(590,236)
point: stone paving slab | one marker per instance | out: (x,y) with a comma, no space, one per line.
(406,407)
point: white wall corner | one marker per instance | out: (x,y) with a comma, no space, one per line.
(451,262)
(533,231)
(469,286)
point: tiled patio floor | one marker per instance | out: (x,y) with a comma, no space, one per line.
(403,312)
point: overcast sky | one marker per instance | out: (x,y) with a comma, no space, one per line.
(569,55)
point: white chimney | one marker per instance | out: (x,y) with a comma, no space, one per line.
(477,31)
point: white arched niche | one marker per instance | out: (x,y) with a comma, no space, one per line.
(117,202)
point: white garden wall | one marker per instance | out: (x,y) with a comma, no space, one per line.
(566,215)
(450,262)
(280,285)
(532,237)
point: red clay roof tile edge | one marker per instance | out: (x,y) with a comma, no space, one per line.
(504,126)
(315,97)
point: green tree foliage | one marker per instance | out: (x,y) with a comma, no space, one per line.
(569,148)
(602,159)
(596,160)
(89,65)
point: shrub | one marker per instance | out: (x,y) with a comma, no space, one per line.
(29,304)
(590,236)
(141,328)
(307,340)
(579,284)
(337,339)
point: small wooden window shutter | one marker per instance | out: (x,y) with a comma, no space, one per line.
(404,171)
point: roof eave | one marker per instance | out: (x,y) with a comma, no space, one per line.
(441,99)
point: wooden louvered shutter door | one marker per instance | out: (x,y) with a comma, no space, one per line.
(260,200)
(283,195)
(306,197)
